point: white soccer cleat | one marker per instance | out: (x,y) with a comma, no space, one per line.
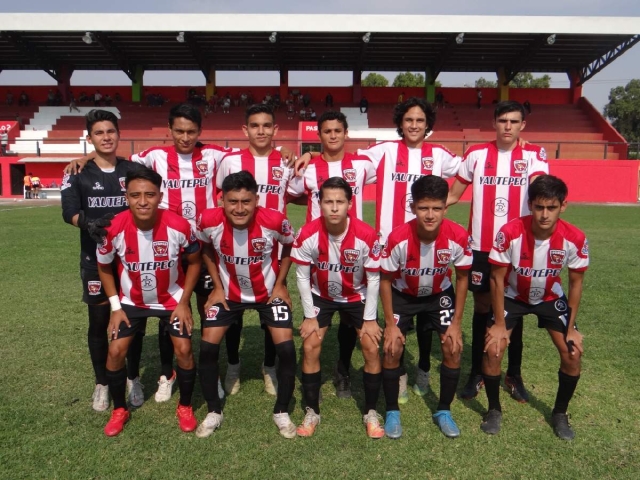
(135,395)
(100,398)
(284,424)
(270,380)
(165,388)
(211,422)
(232,379)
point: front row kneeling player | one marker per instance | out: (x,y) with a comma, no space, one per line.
(345,256)
(416,281)
(527,257)
(149,244)
(241,242)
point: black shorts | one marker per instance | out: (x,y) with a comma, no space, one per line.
(138,320)
(351,313)
(204,285)
(480,273)
(433,312)
(92,291)
(27,188)
(277,314)
(552,315)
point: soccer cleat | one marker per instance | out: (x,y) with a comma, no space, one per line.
(515,385)
(491,422)
(403,394)
(136,395)
(472,387)
(270,380)
(309,424)
(342,384)
(372,421)
(114,426)
(392,425)
(186,420)
(211,422)
(285,425)
(165,387)
(561,427)
(220,389)
(421,387)
(100,398)
(232,379)
(446,424)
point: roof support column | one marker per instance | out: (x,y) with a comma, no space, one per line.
(210,88)
(64,82)
(430,84)
(284,85)
(575,86)
(357,86)
(503,85)
(136,85)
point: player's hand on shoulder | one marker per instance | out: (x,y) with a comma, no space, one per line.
(75,166)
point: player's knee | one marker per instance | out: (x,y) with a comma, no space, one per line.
(311,347)
(182,350)
(369,348)
(209,353)
(450,359)
(286,352)
(571,363)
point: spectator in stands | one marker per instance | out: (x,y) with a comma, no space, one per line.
(479,98)
(9,98)
(290,98)
(276,101)
(243,99)
(53,184)
(306,99)
(72,103)
(328,100)
(27,185)
(51,98)
(108,100)
(226,104)
(117,98)
(23,101)
(303,114)
(440,100)
(401,98)
(4,142)
(35,186)
(97,98)
(83,97)
(527,106)
(364,105)
(291,111)
(312,114)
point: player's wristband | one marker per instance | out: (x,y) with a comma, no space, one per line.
(115,303)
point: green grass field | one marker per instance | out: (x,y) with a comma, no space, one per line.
(48,429)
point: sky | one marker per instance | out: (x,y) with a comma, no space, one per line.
(597,89)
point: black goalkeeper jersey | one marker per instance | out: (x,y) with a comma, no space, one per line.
(96,193)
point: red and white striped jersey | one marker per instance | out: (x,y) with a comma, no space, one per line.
(271,174)
(420,269)
(535,265)
(397,168)
(500,181)
(357,170)
(187,180)
(339,265)
(149,266)
(247,259)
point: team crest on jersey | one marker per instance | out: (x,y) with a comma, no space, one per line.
(444,256)
(349,174)
(122,182)
(446,302)
(557,256)
(476,278)
(212,313)
(316,311)
(277,173)
(499,242)
(427,163)
(396,318)
(585,249)
(375,250)
(520,166)
(259,244)
(103,247)
(286,227)
(94,287)
(424,291)
(160,248)
(561,305)
(351,255)
(542,154)
(65,182)
(202,167)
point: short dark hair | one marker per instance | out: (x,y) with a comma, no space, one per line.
(508,106)
(402,108)
(430,186)
(143,173)
(333,115)
(242,180)
(337,183)
(548,187)
(258,108)
(95,116)
(185,110)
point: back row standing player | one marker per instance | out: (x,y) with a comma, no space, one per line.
(500,173)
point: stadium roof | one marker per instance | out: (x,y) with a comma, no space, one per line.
(314,42)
